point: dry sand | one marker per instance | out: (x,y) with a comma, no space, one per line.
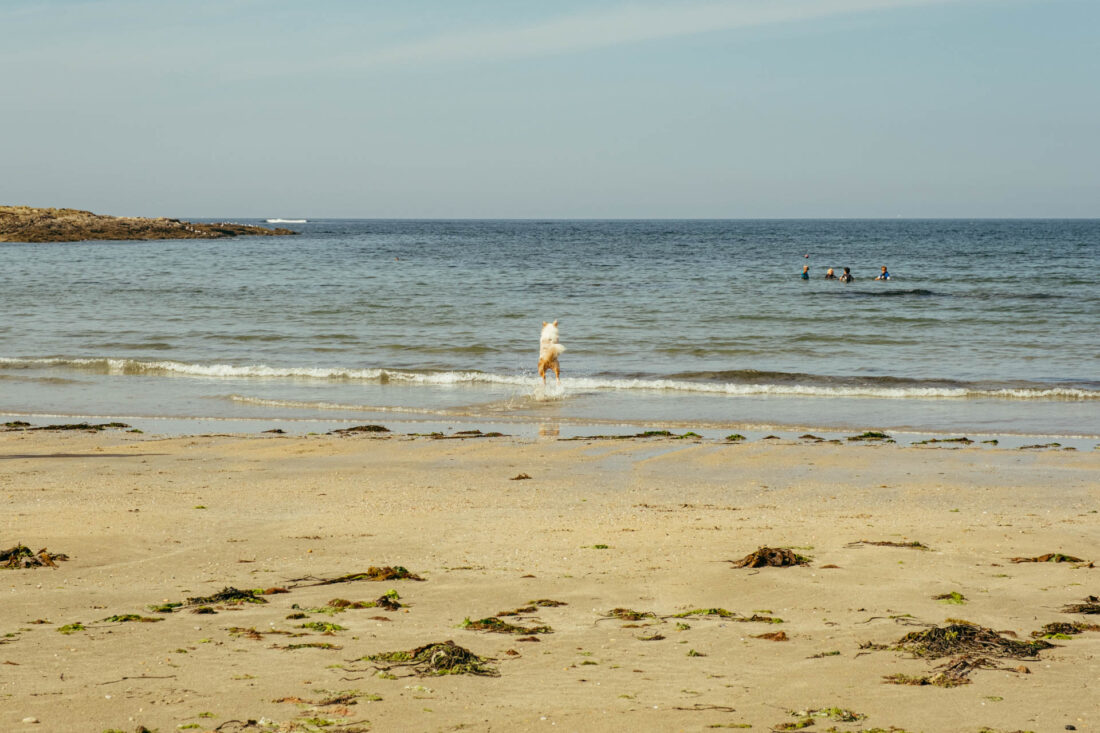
(147,520)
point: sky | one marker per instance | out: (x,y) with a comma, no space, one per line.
(565,109)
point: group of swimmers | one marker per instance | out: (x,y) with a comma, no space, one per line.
(846,277)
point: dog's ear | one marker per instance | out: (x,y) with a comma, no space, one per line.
(555,323)
(544,324)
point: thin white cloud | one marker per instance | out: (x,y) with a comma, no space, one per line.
(624,24)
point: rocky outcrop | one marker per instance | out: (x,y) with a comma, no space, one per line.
(28,224)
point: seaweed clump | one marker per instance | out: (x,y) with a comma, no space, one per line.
(21,556)
(954,673)
(360,429)
(439,658)
(1063,630)
(728,615)
(228,596)
(1049,557)
(870,435)
(386,572)
(629,614)
(840,715)
(645,434)
(388,601)
(954,597)
(465,434)
(889,543)
(1090,606)
(496,625)
(123,618)
(968,639)
(932,441)
(166,607)
(775,557)
(94,427)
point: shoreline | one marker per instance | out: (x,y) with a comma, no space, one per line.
(599,525)
(546,429)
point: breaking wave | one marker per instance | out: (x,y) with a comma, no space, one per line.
(733,383)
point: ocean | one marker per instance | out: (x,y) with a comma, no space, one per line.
(987,327)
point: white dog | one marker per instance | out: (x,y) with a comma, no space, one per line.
(549,350)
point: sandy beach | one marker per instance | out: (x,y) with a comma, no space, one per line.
(645,525)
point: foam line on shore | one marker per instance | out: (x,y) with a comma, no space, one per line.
(778,384)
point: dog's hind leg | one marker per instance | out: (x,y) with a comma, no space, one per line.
(557,372)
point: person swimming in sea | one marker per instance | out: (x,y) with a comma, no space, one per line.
(829,274)
(805,272)
(884,275)
(847,276)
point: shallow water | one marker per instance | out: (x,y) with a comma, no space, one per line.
(987,326)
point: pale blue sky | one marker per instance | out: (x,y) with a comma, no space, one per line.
(372,108)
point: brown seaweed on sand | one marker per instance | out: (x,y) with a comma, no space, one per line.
(466,434)
(870,435)
(890,543)
(646,434)
(1090,606)
(963,638)
(387,572)
(953,673)
(723,613)
(963,440)
(1063,630)
(228,596)
(21,556)
(1049,557)
(439,658)
(96,427)
(532,607)
(386,602)
(498,626)
(309,645)
(123,618)
(628,614)
(775,557)
(360,429)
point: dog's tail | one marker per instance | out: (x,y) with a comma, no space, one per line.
(554,350)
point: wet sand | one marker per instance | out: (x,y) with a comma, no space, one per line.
(647,525)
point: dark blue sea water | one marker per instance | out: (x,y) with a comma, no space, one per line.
(986,326)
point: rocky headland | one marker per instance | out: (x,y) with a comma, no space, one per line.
(29,224)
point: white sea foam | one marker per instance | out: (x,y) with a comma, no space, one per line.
(571,385)
(317,405)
